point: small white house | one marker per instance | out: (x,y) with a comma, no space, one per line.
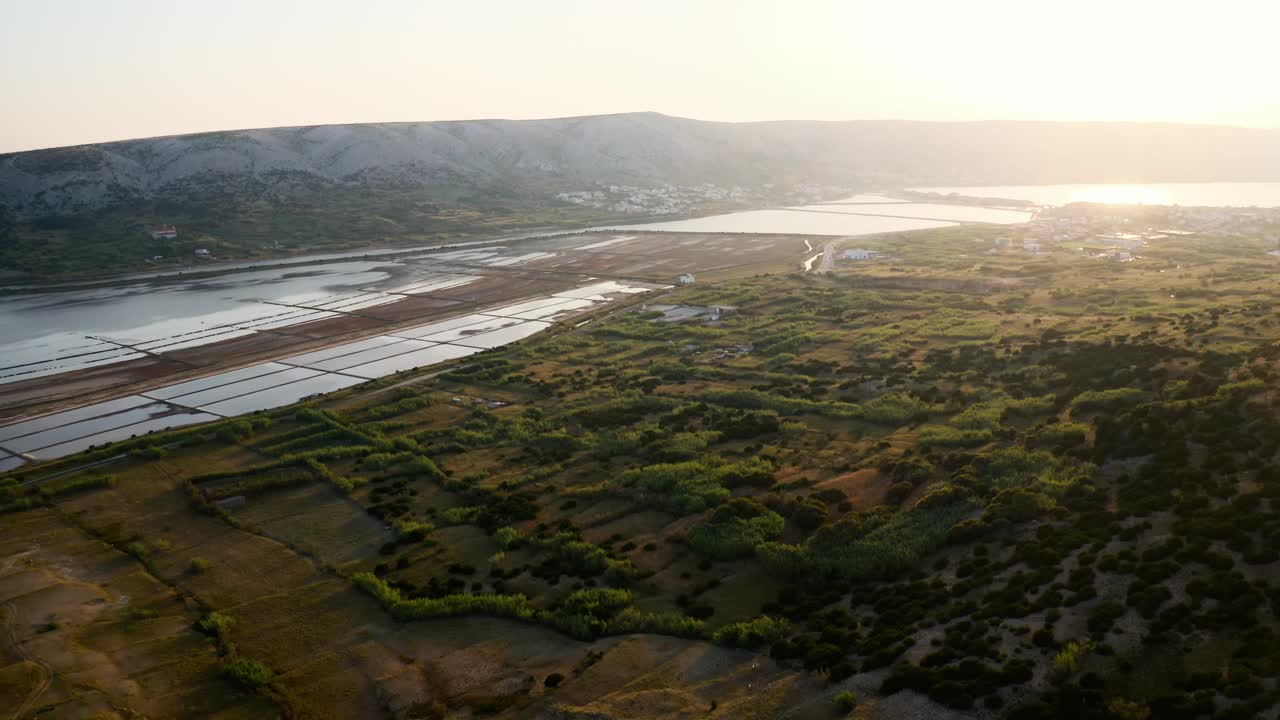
(201,252)
(686,279)
(857,254)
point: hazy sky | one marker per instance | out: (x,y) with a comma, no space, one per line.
(78,71)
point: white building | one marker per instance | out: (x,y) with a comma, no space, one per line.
(857,254)
(686,279)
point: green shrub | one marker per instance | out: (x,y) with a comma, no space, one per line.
(507,537)
(1238,390)
(809,514)
(509,606)
(512,606)
(845,701)
(781,559)
(762,630)
(686,487)
(1106,399)
(20,504)
(631,620)
(91,482)
(735,530)
(1063,435)
(1029,406)
(411,530)
(248,673)
(945,436)
(217,624)
(1067,660)
(1038,469)
(980,416)
(893,409)
(869,545)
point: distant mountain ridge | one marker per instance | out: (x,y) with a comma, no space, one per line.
(543,156)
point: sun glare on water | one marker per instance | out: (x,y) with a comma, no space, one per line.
(1122,195)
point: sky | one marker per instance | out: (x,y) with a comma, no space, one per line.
(83,71)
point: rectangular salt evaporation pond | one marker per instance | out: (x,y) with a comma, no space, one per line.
(332,302)
(551,311)
(61,365)
(59,345)
(18,359)
(124,433)
(497,338)
(599,290)
(344,349)
(293,317)
(10,462)
(68,417)
(282,395)
(519,259)
(433,284)
(295,322)
(439,327)
(606,243)
(958,213)
(212,381)
(365,356)
(488,324)
(207,335)
(84,428)
(463,255)
(409,361)
(244,387)
(381,299)
(197,322)
(790,222)
(521,307)
(202,340)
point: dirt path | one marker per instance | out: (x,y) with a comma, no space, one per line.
(828,257)
(10,639)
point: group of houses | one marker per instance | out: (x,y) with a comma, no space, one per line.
(169,232)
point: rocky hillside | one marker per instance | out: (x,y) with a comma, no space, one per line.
(539,156)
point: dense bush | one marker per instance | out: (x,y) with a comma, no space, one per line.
(946,436)
(248,673)
(763,630)
(1111,399)
(867,545)
(735,529)
(686,487)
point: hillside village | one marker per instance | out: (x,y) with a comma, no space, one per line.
(678,199)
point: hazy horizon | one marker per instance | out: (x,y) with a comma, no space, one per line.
(250,128)
(82,72)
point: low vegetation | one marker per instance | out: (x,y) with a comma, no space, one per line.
(1004,497)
